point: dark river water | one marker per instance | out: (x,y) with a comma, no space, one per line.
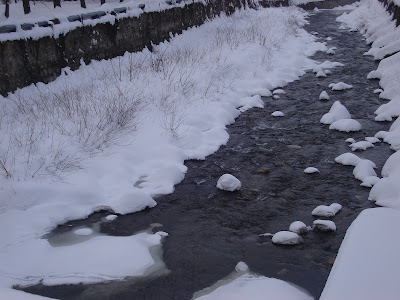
(210,231)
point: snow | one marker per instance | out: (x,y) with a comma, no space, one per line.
(331,51)
(329,38)
(350,140)
(278,114)
(311,170)
(327,211)
(323,96)
(276,97)
(378,91)
(298,227)
(324,225)
(372,139)
(83,231)
(228,182)
(346,125)
(348,159)
(365,168)
(278,92)
(134,201)
(362,145)
(321,74)
(340,86)
(342,27)
(386,192)
(367,265)
(286,238)
(56,265)
(241,267)
(111,217)
(337,112)
(44,11)
(176,120)
(370,181)
(255,287)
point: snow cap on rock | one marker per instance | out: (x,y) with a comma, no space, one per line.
(228,182)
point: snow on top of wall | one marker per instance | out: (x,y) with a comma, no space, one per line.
(43,12)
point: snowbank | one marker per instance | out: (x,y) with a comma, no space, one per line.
(367,266)
(255,287)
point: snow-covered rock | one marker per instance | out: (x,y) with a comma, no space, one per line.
(324,225)
(111,217)
(311,170)
(386,192)
(362,145)
(254,287)
(374,75)
(372,139)
(321,74)
(278,92)
(329,38)
(364,169)
(276,97)
(278,114)
(298,227)
(134,201)
(286,238)
(340,86)
(346,125)
(331,51)
(241,267)
(324,96)
(83,231)
(228,182)
(350,140)
(337,112)
(370,181)
(378,91)
(327,211)
(348,159)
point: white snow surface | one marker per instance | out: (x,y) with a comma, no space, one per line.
(241,267)
(327,211)
(324,225)
(361,145)
(228,182)
(372,139)
(180,116)
(340,86)
(365,271)
(346,125)
(348,159)
(350,140)
(286,238)
(324,96)
(83,231)
(298,227)
(337,112)
(278,92)
(278,114)
(386,192)
(311,170)
(255,287)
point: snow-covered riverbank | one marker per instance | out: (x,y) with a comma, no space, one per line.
(174,104)
(367,266)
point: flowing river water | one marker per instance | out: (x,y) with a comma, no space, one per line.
(210,230)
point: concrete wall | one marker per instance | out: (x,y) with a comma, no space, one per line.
(23,62)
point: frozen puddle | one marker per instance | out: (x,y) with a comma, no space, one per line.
(71,258)
(243,284)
